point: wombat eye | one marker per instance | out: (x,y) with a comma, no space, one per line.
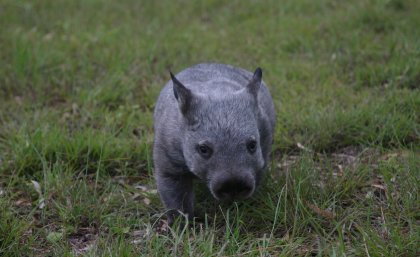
(204,150)
(252,146)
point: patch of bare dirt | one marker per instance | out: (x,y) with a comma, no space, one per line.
(83,240)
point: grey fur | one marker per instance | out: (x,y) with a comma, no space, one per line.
(207,119)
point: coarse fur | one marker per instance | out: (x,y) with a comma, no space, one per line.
(214,122)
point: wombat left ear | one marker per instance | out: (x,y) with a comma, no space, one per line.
(182,94)
(255,83)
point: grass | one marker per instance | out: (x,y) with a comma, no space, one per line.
(78,83)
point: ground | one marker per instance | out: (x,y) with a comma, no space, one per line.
(78,84)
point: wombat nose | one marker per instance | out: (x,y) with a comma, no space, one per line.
(234,189)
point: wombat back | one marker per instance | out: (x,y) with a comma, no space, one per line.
(217,80)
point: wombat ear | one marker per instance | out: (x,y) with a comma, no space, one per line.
(254,84)
(182,94)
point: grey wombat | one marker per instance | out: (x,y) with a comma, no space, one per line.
(213,122)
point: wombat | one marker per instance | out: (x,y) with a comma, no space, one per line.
(213,122)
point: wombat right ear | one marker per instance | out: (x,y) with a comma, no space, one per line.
(182,94)
(254,84)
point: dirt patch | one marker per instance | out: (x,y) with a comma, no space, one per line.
(83,240)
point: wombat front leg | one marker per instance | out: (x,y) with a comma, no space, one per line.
(176,192)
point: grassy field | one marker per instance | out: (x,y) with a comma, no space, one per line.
(78,83)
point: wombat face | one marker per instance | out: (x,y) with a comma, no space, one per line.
(221,143)
(224,151)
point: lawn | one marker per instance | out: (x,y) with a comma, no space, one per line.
(78,84)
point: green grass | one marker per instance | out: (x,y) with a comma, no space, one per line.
(78,83)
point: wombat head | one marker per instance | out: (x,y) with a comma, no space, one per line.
(221,142)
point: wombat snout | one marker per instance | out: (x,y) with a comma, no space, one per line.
(233,188)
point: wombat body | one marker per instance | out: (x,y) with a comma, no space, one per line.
(213,122)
